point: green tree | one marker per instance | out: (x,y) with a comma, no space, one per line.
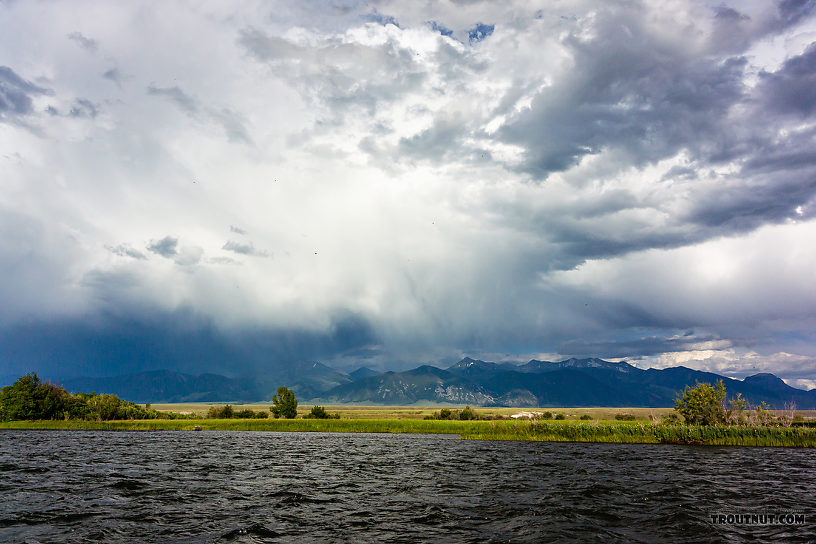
(284,404)
(19,401)
(31,398)
(702,404)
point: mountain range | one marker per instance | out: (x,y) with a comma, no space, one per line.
(573,382)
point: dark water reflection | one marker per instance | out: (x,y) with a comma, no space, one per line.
(186,487)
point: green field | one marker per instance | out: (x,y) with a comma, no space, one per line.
(418,412)
(603,427)
(555,431)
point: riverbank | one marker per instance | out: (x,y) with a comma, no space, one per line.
(632,433)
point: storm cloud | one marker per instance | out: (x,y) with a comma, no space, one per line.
(633,181)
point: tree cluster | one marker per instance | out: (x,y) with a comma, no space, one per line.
(29,398)
(465,414)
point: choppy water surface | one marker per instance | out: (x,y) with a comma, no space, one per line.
(189,487)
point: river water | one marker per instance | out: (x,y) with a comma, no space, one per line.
(241,487)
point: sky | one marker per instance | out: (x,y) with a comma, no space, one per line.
(226,187)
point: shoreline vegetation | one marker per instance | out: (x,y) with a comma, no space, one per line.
(707,418)
(525,430)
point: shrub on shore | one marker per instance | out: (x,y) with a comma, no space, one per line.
(465,414)
(228,412)
(319,412)
(706,405)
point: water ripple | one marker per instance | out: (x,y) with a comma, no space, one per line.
(178,487)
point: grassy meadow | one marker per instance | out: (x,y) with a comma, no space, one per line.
(404,419)
(419,412)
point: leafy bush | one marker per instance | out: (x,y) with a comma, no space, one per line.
(547,415)
(671,419)
(318,412)
(702,404)
(625,417)
(225,412)
(586,417)
(250,414)
(467,414)
(560,416)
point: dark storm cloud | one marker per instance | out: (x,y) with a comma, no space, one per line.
(166,247)
(135,340)
(791,12)
(244,249)
(771,200)
(638,347)
(778,171)
(84,42)
(647,100)
(792,89)
(734,31)
(638,99)
(16,93)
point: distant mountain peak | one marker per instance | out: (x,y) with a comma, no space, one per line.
(766,380)
(468,361)
(362,373)
(764,376)
(594,362)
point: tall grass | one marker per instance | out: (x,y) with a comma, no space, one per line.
(282,425)
(648,434)
(553,431)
